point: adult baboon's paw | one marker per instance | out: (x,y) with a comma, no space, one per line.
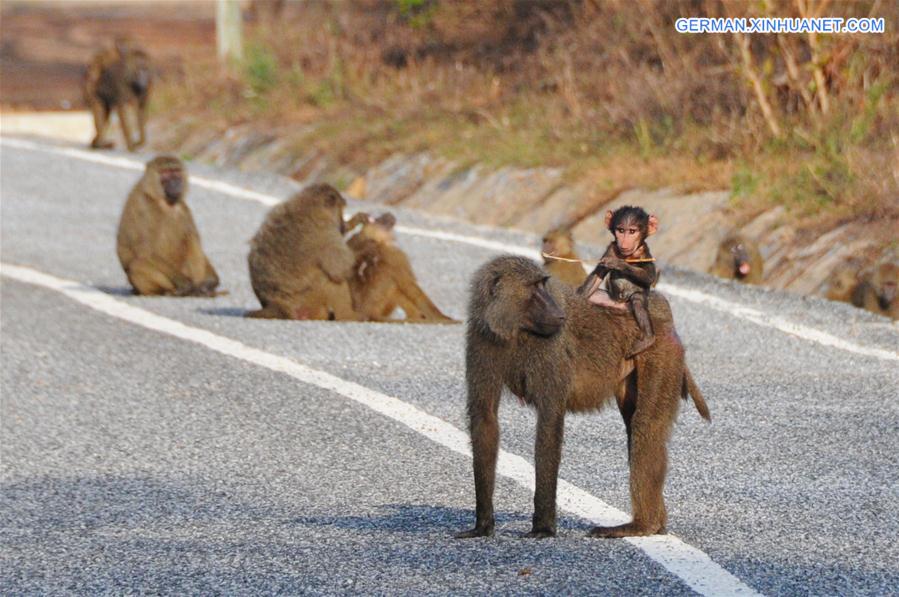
(478,531)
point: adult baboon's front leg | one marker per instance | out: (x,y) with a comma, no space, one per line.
(122,111)
(101,123)
(484,390)
(547,454)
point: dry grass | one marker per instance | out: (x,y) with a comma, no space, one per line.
(607,90)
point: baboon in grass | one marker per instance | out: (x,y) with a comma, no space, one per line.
(299,263)
(559,258)
(382,277)
(558,352)
(738,258)
(158,243)
(119,79)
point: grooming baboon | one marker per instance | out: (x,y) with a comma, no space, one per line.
(559,243)
(739,259)
(877,291)
(558,352)
(382,277)
(158,243)
(118,78)
(299,262)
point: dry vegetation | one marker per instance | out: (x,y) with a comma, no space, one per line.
(607,89)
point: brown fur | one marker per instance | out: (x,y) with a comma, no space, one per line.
(557,352)
(119,79)
(560,243)
(158,243)
(383,280)
(877,291)
(734,251)
(299,263)
(843,281)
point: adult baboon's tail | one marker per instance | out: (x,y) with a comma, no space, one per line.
(690,388)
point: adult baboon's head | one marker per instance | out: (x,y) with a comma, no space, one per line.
(508,296)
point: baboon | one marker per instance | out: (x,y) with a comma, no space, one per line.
(738,258)
(158,243)
(382,277)
(877,291)
(558,352)
(118,78)
(630,268)
(299,263)
(559,243)
(843,282)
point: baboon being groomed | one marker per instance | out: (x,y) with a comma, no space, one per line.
(299,262)
(560,260)
(382,277)
(557,352)
(158,243)
(738,258)
(119,79)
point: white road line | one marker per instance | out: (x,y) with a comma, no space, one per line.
(694,296)
(691,565)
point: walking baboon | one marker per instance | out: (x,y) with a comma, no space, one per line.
(118,78)
(738,258)
(158,243)
(559,244)
(558,352)
(299,262)
(382,277)
(877,291)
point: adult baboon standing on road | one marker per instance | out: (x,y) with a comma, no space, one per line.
(117,79)
(158,243)
(558,352)
(299,262)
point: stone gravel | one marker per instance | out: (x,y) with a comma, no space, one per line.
(135,462)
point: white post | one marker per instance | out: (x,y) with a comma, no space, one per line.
(228,30)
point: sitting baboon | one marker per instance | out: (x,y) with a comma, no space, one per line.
(382,277)
(299,262)
(559,258)
(118,78)
(843,282)
(158,243)
(558,352)
(877,291)
(739,259)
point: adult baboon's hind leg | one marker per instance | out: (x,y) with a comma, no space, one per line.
(650,426)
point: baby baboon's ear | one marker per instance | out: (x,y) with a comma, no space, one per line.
(653,225)
(609,219)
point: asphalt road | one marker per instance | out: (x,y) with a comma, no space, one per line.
(133,460)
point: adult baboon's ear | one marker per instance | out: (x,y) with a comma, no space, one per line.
(653,225)
(499,316)
(609,219)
